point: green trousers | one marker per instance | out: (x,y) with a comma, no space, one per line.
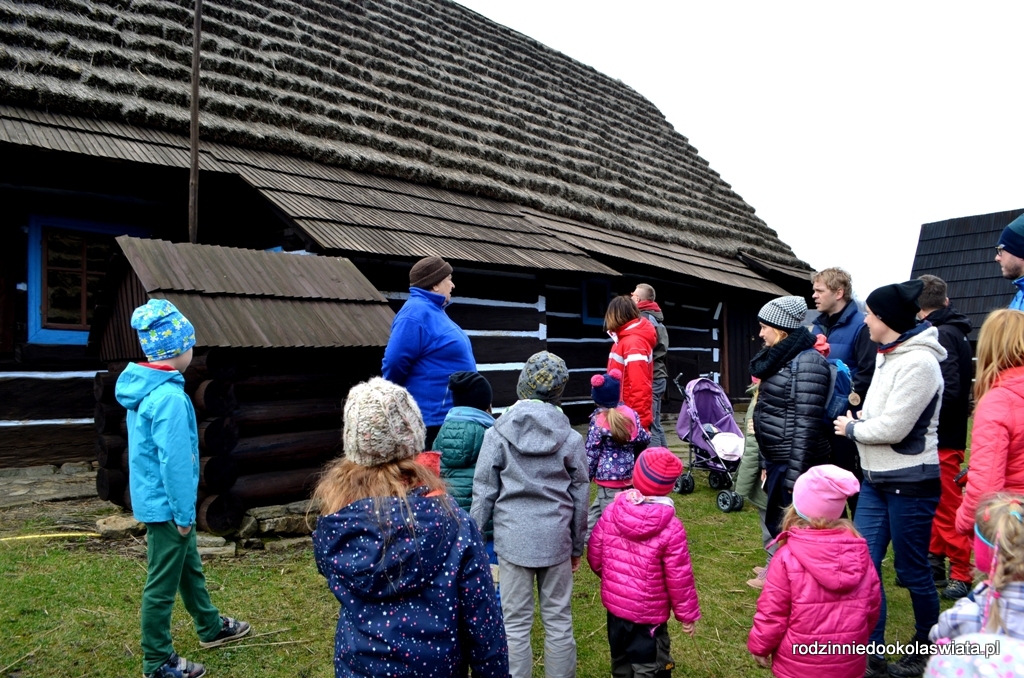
(174,566)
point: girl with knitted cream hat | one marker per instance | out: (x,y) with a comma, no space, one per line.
(821,585)
(638,549)
(406,563)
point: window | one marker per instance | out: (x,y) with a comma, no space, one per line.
(67,260)
(73,265)
(596,295)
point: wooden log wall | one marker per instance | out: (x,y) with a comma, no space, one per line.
(267,422)
(44,417)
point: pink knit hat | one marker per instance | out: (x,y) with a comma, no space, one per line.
(821,492)
(656,471)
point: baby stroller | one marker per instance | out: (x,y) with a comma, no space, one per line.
(716,440)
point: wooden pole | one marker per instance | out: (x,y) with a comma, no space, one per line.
(193,182)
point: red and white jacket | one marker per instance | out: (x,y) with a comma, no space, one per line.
(997,446)
(632,353)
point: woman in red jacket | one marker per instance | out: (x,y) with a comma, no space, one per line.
(997,439)
(632,354)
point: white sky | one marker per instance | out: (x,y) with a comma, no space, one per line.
(845,125)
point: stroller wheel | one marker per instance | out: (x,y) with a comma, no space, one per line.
(724,501)
(737,502)
(685,484)
(719,481)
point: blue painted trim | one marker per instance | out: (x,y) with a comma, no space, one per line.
(588,319)
(37,334)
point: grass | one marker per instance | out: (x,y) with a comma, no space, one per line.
(70,607)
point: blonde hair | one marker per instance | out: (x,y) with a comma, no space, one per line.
(1000,520)
(619,424)
(791,519)
(648,291)
(621,310)
(1000,347)
(344,482)
(780,335)
(835,279)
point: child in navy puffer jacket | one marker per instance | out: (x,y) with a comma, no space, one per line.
(614,440)
(405,562)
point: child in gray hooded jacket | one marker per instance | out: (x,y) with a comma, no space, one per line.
(531,478)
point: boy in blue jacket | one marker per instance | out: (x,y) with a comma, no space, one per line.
(163,459)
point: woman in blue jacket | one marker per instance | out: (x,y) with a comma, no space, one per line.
(406,563)
(426,346)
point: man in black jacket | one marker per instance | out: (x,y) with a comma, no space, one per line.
(957,372)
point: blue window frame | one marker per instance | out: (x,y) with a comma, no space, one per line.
(66,260)
(596,295)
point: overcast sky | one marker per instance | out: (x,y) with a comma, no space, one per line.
(845,125)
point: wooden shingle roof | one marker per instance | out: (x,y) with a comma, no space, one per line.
(421,90)
(246,298)
(962,251)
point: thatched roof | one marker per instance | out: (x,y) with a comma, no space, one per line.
(426,91)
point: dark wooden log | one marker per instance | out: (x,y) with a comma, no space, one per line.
(27,397)
(46,444)
(215,397)
(286,411)
(103,385)
(110,485)
(217,474)
(218,436)
(220,514)
(108,417)
(284,449)
(283,386)
(123,426)
(127,498)
(275,487)
(124,464)
(109,449)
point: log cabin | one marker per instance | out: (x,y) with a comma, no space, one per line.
(376,131)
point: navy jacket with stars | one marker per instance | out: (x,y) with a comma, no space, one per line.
(417,598)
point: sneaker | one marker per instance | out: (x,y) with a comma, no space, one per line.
(758,582)
(877,667)
(759,571)
(230,631)
(178,667)
(909,666)
(938,564)
(956,589)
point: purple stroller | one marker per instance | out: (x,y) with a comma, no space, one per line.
(707,413)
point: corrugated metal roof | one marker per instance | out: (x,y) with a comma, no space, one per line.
(211,269)
(669,256)
(250,299)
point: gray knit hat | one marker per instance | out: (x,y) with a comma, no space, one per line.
(382,424)
(543,378)
(784,313)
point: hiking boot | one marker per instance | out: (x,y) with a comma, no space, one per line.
(877,667)
(759,571)
(938,564)
(758,582)
(956,589)
(230,631)
(178,667)
(910,665)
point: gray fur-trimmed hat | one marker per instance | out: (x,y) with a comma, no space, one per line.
(784,313)
(382,424)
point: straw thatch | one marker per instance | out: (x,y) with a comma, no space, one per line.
(423,90)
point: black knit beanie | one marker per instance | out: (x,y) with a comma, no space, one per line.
(470,389)
(896,304)
(429,271)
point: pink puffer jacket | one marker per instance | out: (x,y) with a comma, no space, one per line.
(639,551)
(821,587)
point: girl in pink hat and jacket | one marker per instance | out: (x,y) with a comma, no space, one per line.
(821,585)
(638,549)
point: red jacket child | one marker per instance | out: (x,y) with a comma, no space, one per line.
(997,446)
(632,353)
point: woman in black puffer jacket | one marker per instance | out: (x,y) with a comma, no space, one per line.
(789,417)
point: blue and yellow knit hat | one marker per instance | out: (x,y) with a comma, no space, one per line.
(163,331)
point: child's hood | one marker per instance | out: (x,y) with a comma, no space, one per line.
(137,382)
(639,522)
(835,558)
(534,428)
(388,557)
